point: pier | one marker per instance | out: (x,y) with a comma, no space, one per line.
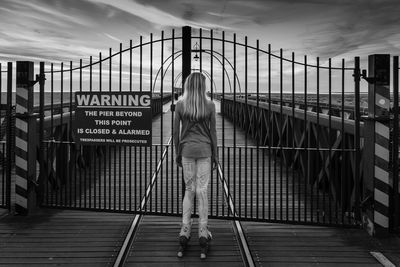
(302,178)
(74,237)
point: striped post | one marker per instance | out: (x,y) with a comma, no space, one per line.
(379,184)
(25,133)
(395,150)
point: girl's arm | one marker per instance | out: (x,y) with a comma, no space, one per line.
(177,124)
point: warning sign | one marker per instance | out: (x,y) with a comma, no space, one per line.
(113,118)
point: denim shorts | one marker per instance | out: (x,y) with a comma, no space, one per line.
(196,172)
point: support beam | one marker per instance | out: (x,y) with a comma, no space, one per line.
(377,185)
(25,143)
(186,53)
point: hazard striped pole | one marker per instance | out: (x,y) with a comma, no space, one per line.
(25,133)
(395,151)
(379,105)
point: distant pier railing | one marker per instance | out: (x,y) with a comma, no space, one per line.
(321,106)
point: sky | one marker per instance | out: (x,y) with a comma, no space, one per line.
(64,30)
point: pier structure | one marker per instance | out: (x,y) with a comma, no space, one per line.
(297,154)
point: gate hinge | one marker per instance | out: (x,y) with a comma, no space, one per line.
(39,78)
(368,79)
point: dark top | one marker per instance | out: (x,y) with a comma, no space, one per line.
(195,139)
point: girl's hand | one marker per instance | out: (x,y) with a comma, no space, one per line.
(214,163)
(178,160)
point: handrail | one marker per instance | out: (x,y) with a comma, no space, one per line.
(310,103)
(336,122)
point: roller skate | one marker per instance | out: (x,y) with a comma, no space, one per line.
(205,238)
(184,237)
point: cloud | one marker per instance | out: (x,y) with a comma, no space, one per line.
(350,29)
(148,13)
(50,12)
(314,27)
(112,37)
(69,30)
(63,30)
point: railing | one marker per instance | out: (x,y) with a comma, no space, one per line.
(284,168)
(310,136)
(335,110)
(327,169)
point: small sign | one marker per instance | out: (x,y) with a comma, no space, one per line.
(113,118)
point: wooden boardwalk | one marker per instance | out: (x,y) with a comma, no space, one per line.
(85,238)
(62,237)
(152,248)
(290,245)
(88,238)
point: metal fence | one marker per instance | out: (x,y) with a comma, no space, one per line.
(98,177)
(289,132)
(299,118)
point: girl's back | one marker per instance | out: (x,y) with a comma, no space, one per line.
(196,140)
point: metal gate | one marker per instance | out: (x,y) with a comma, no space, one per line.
(288,131)
(6,134)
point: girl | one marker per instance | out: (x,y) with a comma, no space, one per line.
(195,141)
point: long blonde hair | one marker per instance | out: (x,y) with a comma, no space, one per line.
(194,97)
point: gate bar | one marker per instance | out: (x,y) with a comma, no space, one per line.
(9,135)
(357,138)
(186,69)
(186,53)
(41,158)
